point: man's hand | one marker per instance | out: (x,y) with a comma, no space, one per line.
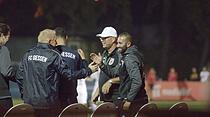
(96,58)
(106,87)
(93,67)
(94,99)
(126,105)
(81,53)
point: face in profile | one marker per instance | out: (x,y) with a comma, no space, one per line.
(4,38)
(107,42)
(121,44)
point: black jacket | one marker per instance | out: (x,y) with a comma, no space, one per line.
(7,72)
(72,59)
(132,77)
(38,76)
(109,69)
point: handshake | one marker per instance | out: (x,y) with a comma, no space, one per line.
(96,61)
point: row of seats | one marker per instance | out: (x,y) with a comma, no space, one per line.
(104,110)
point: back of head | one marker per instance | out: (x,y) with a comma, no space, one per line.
(46,35)
(4,29)
(60,32)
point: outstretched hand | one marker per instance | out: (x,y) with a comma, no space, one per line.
(93,67)
(81,53)
(96,58)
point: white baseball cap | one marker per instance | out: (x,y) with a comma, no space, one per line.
(108,32)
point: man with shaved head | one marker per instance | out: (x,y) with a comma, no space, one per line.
(132,78)
(38,75)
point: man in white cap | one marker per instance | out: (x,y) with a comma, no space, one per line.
(108,61)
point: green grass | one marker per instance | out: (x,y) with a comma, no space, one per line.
(193,105)
(17,101)
(163,105)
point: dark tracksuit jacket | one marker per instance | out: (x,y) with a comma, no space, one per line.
(7,72)
(132,78)
(68,88)
(38,76)
(109,69)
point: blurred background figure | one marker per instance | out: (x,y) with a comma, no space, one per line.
(151,77)
(95,77)
(172,75)
(82,91)
(204,75)
(194,75)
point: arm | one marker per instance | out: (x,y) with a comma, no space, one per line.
(62,69)
(19,78)
(132,66)
(7,69)
(108,84)
(97,58)
(82,61)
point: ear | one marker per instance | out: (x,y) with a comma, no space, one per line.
(49,41)
(128,44)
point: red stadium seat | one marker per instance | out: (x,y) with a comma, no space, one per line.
(146,110)
(106,109)
(75,110)
(20,110)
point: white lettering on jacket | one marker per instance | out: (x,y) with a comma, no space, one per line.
(37,58)
(68,55)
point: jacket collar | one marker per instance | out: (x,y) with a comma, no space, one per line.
(112,53)
(45,46)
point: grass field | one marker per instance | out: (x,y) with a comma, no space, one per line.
(193,105)
(165,105)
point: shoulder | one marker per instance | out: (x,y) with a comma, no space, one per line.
(4,52)
(131,58)
(4,49)
(48,52)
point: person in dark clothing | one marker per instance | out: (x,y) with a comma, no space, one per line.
(7,70)
(108,78)
(38,75)
(68,88)
(132,77)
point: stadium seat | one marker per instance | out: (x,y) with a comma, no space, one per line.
(179,107)
(20,110)
(147,110)
(2,111)
(106,109)
(75,110)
